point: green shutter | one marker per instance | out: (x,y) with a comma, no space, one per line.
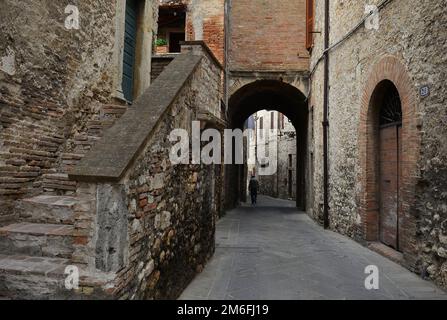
(129,49)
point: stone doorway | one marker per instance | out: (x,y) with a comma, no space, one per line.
(389,81)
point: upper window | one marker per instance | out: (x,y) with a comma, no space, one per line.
(310,20)
(171,28)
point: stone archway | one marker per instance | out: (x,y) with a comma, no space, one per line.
(274,95)
(388,70)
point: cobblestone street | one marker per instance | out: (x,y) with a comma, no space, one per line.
(274,252)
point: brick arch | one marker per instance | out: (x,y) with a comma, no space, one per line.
(238,83)
(272,94)
(391,69)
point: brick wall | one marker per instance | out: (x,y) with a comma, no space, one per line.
(205,21)
(268,35)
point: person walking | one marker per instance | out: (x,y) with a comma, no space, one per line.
(253,187)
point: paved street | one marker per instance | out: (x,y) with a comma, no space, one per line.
(274,252)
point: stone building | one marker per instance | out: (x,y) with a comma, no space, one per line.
(386,132)
(286,175)
(273,127)
(374,170)
(85,178)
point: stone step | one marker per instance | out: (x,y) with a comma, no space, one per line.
(96,128)
(58,183)
(114,111)
(83,143)
(56,176)
(26,277)
(72,156)
(40,240)
(48,209)
(42,278)
(69,160)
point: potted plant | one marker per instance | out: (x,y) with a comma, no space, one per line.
(161,46)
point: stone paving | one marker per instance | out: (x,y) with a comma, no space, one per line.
(274,252)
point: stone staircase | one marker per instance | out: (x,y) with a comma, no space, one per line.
(36,249)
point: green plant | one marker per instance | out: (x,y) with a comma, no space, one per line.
(160,42)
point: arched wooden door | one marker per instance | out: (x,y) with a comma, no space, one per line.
(390,167)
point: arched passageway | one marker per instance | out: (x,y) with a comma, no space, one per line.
(276,96)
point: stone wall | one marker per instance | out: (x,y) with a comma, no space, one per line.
(287,148)
(158,218)
(60,81)
(409,50)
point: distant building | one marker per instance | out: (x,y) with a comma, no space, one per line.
(282,184)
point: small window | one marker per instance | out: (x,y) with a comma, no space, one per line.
(272,120)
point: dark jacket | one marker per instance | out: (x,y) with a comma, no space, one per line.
(253,186)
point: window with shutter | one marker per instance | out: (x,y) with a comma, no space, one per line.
(309,23)
(129,54)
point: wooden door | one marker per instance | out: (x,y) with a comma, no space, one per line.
(390,173)
(174,41)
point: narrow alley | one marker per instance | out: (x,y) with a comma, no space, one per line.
(274,252)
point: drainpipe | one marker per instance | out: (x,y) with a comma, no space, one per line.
(227,17)
(326,117)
